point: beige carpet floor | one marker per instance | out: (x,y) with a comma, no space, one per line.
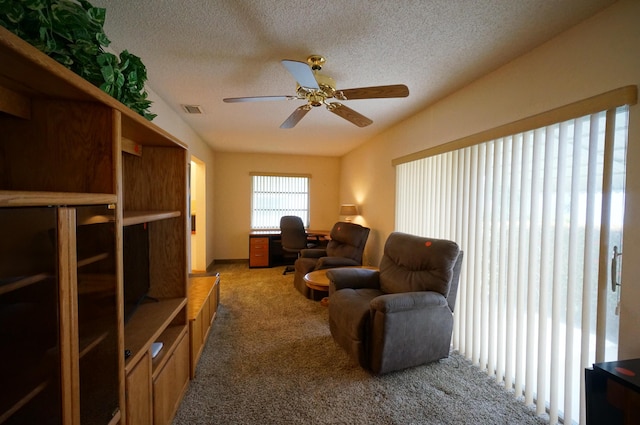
(270,359)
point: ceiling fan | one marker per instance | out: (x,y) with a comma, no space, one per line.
(317,89)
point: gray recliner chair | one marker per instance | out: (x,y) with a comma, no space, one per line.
(344,249)
(402,315)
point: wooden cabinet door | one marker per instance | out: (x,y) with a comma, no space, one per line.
(138,393)
(171,383)
(31,351)
(195,336)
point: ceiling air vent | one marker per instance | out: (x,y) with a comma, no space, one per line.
(192,109)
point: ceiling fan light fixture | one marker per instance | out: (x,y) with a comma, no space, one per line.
(316,98)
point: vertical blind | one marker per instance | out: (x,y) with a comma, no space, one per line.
(274,196)
(528,211)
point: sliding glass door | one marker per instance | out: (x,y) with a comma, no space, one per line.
(611,283)
(538,214)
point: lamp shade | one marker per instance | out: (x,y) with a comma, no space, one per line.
(348,209)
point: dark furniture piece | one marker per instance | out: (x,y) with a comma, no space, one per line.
(294,238)
(613,393)
(345,248)
(265,247)
(402,315)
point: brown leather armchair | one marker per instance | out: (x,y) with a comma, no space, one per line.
(402,315)
(344,249)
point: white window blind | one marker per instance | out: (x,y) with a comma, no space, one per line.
(529,211)
(274,196)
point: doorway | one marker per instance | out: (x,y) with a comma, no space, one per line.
(198,208)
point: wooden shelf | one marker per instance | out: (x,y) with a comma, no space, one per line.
(147,324)
(35,379)
(89,344)
(37,389)
(22,282)
(93,259)
(138,217)
(116,418)
(13,198)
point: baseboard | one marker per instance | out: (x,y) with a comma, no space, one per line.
(211,267)
(196,273)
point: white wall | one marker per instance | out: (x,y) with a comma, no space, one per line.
(600,54)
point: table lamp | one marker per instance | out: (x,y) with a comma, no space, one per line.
(348,210)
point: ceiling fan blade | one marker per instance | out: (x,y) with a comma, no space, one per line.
(302,73)
(296,116)
(349,114)
(377,92)
(257,99)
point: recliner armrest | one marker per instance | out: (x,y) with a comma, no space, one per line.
(330,262)
(354,278)
(313,252)
(393,303)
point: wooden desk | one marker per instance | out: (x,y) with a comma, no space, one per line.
(319,234)
(265,246)
(613,392)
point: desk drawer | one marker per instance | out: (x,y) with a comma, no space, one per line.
(258,252)
(259,243)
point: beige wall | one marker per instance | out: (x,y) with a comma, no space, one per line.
(598,55)
(368,180)
(232,186)
(171,121)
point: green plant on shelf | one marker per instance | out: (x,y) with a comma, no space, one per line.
(72,33)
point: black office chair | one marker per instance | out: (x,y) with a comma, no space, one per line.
(294,238)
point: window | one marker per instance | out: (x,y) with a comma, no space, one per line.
(537,212)
(276,195)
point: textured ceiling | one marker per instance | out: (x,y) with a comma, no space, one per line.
(198,52)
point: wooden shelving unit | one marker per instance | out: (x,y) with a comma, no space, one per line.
(76,168)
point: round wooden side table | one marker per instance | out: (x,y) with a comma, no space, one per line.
(318,280)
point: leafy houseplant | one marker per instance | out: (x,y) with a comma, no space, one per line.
(71,32)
